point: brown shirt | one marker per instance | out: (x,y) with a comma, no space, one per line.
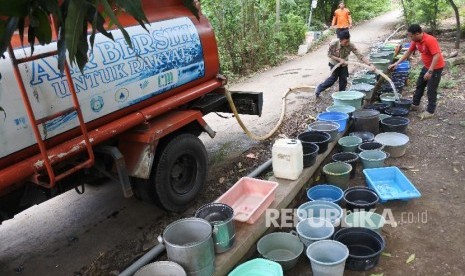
(337,50)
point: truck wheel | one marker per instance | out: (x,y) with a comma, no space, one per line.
(179,172)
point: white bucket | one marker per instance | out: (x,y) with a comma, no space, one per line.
(327,257)
(314,229)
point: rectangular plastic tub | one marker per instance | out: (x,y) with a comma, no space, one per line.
(249,198)
(390,183)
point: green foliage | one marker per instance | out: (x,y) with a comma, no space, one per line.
(362,10)
(72,18)
(425,11)
(448,83)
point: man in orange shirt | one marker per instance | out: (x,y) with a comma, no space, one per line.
(430,75)
(342,20)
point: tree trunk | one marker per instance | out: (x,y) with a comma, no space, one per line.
(457,19)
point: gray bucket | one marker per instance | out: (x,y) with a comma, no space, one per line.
(283,248)
(366,120)
(189,243)
(220,217)
(327,257)
(164,268)
(314,229)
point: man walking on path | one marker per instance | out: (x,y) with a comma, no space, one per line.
(339,51)
(430,75)
(342,20)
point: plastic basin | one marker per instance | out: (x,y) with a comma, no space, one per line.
(321,139)
(349,143)
(381,64)
(320,209)
(352,98)
(377,106)
(258,267)
(249,198)
(365,219)
(332,128)
(388,98)
(395,124)
(404,103)
(162,268)
(366,136)
(348,109)
(360,198)
(338,173)
(364,80)
(373,158)
(314,229)
(395,143)
(390,183)
(397,111)
(327,258)
(370,146)
(325,192)
(337,117)
(365,247)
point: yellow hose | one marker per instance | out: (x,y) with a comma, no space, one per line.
(283,105)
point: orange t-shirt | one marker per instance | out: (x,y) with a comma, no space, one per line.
(428,47)
(341,18)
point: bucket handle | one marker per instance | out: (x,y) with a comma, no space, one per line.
(293,232)
(387,154)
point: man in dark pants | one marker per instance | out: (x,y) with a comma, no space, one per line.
(339,51)
(430,75)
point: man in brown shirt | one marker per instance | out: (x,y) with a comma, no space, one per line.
(339,51)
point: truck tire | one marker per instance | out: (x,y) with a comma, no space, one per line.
(179,171)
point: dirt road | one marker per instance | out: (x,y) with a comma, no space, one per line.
(101,232)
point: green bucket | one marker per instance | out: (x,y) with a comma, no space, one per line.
(338,173)
(388,98)
(349,143)
(352,98)
(364,80)
(365,219)
(348,109)
(381,64)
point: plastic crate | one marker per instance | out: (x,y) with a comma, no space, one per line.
(249,198)
(390,183)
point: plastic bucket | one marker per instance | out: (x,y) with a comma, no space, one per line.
(349,143)
(310,151)
(338,173)
(352,98)
(404,103)
(366,120)
(337,117)
(397,111)
(347,109)
(381,64)
(327,258)
(163,268)
(347,157)
(283,248)
(395,143)
(332,128)
(365,219)
(364,80)
(320,209)
(377,106)
(365,247)
(220,217)
(366,136)
(311,230)
(370,146)
(325,192)
(321,139)
(373,158)
(189,243)
(360,198)
(395,124)
(388,98)
(382,116)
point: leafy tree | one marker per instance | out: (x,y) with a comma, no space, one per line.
(457,20)
(72,18)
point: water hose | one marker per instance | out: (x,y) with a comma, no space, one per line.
(284,104)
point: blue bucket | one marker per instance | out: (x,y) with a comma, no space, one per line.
(333,116)
(325,192)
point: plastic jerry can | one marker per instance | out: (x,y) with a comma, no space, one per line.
(287,158)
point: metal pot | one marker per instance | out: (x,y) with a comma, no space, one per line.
(189,243)
(220,217)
